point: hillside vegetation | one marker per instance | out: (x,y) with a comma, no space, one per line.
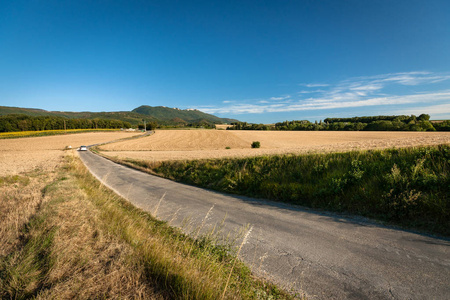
(163,116)
(409,187)
(167,114)
(14,123)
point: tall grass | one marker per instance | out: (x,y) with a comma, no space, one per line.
(77,239)
(188,268)
(409,187)
(53,247)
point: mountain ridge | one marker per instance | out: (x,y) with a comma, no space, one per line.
(160,114)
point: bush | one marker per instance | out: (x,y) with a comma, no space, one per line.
(256,144)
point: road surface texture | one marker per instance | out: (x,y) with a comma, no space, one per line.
(324,255)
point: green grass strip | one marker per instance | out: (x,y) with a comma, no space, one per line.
(408,187)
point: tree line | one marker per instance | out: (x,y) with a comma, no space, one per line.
(375,123)
(18,122)
(205,124)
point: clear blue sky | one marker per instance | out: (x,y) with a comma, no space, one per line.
(257,61)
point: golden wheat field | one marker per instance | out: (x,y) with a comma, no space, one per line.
(27,154)
(198,144)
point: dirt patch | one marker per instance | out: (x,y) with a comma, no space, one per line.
(198,144)
(44,153)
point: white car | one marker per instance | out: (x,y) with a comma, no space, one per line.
(82,148)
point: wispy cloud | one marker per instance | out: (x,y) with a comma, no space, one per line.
(438,111)
(320,104)
(404,78)
(366,87)
(311,85)
(280,98)
(310,91)
(355,92)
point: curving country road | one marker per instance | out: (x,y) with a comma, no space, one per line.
(326,256)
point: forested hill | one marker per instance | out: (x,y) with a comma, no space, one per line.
(163,113)
(160,115)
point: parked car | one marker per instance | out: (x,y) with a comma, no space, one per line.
(82,148)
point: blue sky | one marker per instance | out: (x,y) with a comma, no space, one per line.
(256,61)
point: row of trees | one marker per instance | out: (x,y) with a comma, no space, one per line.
(377,123)
(247,126)
(179,123)
(367,120)
(14,122)
(149,126)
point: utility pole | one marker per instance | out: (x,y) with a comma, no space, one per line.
(65,130)
(145,127)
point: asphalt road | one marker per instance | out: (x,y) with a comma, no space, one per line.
(326,256)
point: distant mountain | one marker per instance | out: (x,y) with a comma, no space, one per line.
(159,114)
(34,112)
(168,114)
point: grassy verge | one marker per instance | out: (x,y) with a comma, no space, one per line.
(64,235)
(408,187)
(21,134)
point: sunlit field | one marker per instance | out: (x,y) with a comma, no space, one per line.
(27,154)
(198,144)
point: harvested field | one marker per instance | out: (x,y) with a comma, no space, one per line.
(223,127)
(198,144)
(44,153)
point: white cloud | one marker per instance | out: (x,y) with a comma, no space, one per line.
(311,85)
(311,92)
(332,103)
(366,87)
(280,98)
(409,78)
(351,93)
(388,75)
(440,111)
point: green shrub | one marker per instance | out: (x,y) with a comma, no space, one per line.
(256,144)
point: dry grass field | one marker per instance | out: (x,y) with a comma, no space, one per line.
(27,154)
(198,144)
(63,235)
(223,127)
(30,185)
